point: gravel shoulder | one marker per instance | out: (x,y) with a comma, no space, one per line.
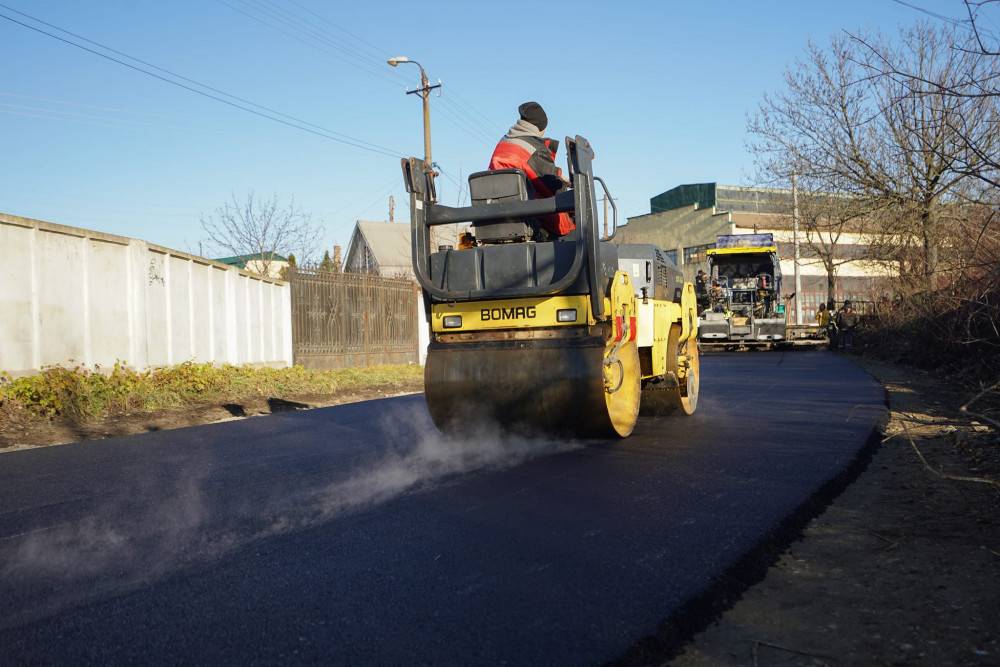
(902,568)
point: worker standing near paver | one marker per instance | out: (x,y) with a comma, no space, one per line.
(823,316)
(717,297)
(701,289)
(847,322)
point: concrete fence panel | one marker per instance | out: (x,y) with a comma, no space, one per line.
(73,296)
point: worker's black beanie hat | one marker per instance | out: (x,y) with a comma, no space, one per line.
(534,114)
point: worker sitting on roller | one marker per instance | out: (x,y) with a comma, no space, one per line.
(524,147)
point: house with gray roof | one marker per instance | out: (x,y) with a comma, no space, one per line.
(383,248)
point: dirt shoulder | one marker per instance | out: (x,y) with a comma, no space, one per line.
(901,569)
(23,432)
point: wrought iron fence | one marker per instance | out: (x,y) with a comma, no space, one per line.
(340,320)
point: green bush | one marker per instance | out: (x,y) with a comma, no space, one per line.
(79,393)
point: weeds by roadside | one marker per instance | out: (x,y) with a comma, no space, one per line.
(78,394)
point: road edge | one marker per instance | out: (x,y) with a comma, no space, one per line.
(699,612)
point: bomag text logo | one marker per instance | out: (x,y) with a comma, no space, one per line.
(512,313)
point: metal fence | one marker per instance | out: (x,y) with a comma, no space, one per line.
(340,320)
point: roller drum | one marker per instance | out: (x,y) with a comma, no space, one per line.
(557,386)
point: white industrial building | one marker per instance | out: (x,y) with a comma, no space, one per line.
(685,221)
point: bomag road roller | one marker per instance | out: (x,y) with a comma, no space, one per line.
(567,335)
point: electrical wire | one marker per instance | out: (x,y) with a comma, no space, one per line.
(268,17)
(959,23)
(469,121)
(391,190)
(490,122)
(74,114)
(375,50)
(305,32)
(241,103)
(478,135)
(50,115)
(80,105)
(182,78)
(941,17)
(373,56)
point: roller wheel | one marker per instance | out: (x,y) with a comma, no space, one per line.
(687,394)
(623,385)
(684,363)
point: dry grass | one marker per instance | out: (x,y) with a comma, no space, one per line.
(954,330)
(79,394)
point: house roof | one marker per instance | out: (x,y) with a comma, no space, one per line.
(241,260)
(388,242)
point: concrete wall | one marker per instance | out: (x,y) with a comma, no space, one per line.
(73,296)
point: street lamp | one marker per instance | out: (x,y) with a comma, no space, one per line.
(424,91)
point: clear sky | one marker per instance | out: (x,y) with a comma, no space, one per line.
(661,89)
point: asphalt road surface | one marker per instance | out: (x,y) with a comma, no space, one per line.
(357,534)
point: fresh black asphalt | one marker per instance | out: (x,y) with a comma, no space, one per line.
(356,535)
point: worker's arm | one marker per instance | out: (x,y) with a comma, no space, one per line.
(548,180)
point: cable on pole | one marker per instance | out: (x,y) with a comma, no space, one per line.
(216,94)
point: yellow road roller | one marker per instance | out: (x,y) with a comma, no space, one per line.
(570,334)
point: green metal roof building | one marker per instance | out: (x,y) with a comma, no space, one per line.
(240,261)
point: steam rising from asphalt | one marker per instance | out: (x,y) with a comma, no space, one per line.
(160,526)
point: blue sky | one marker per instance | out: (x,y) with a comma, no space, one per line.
(661,89)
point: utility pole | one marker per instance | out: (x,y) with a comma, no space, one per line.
(392,208)
(795,242)
(424,91)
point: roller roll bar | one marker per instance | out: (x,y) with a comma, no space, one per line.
(426,213)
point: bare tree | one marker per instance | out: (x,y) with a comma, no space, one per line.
(974,8)
(263,228)
(975,71)
(835,231)
(855,131)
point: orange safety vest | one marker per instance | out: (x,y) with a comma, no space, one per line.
(535,157)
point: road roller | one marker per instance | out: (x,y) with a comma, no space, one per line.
(568,335)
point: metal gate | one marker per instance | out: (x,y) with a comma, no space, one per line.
(341,320)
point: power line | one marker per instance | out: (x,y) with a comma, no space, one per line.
(80,105)
(305,32)
(77,114)
(486,132)
(268,113)
(62,110)
(182,78)
(388,191)
(471,130)
(45,114)
(373,57)
(376,50)
(959,23)
(928,12)
(309,37)
(493,125)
